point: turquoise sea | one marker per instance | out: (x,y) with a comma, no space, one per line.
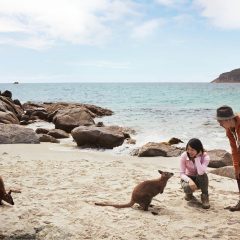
(157,111)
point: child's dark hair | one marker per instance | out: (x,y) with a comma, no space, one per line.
(195,144)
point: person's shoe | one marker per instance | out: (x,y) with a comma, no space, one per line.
(205,201)
(235,208)
(188,196)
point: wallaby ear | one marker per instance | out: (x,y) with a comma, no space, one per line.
(160,171)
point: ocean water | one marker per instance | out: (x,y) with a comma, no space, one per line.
(157,111)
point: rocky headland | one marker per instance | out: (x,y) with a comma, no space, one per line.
(228,77)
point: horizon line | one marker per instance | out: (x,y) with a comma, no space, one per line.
(14,83)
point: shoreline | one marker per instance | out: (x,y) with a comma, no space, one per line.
(68,144)
(162,127)
(59,189)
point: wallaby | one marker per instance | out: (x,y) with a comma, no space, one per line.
(6,196)
(144,192)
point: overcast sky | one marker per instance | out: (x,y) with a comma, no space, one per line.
(118,40)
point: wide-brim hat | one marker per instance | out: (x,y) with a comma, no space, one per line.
(225,113)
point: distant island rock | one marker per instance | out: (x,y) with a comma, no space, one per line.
(228,77)
(16,83)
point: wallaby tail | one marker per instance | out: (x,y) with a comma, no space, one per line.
(130,204)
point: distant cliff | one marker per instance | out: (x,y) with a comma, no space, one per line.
(229,77)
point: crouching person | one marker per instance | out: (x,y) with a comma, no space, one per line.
(193,166)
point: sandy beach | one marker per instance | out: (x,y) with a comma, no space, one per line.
(59,189)
(96,97)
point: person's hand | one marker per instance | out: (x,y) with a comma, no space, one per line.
(199,154)
(192,185)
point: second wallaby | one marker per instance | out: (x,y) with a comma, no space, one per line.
(144,192)
(6,196)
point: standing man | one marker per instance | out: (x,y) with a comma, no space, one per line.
(231,122)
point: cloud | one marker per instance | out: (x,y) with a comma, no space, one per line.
(173,3)
(8,25)
(74,21)
(147,28)
(36,43)
(166,2)
(221,13)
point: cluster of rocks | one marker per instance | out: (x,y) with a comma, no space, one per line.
(77,120)
(69,118)
(11,111)
(221,161)
(164,149)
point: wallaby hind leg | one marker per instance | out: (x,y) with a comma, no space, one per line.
(145,204)
(145,208)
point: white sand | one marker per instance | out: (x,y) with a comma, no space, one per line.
(59,190)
